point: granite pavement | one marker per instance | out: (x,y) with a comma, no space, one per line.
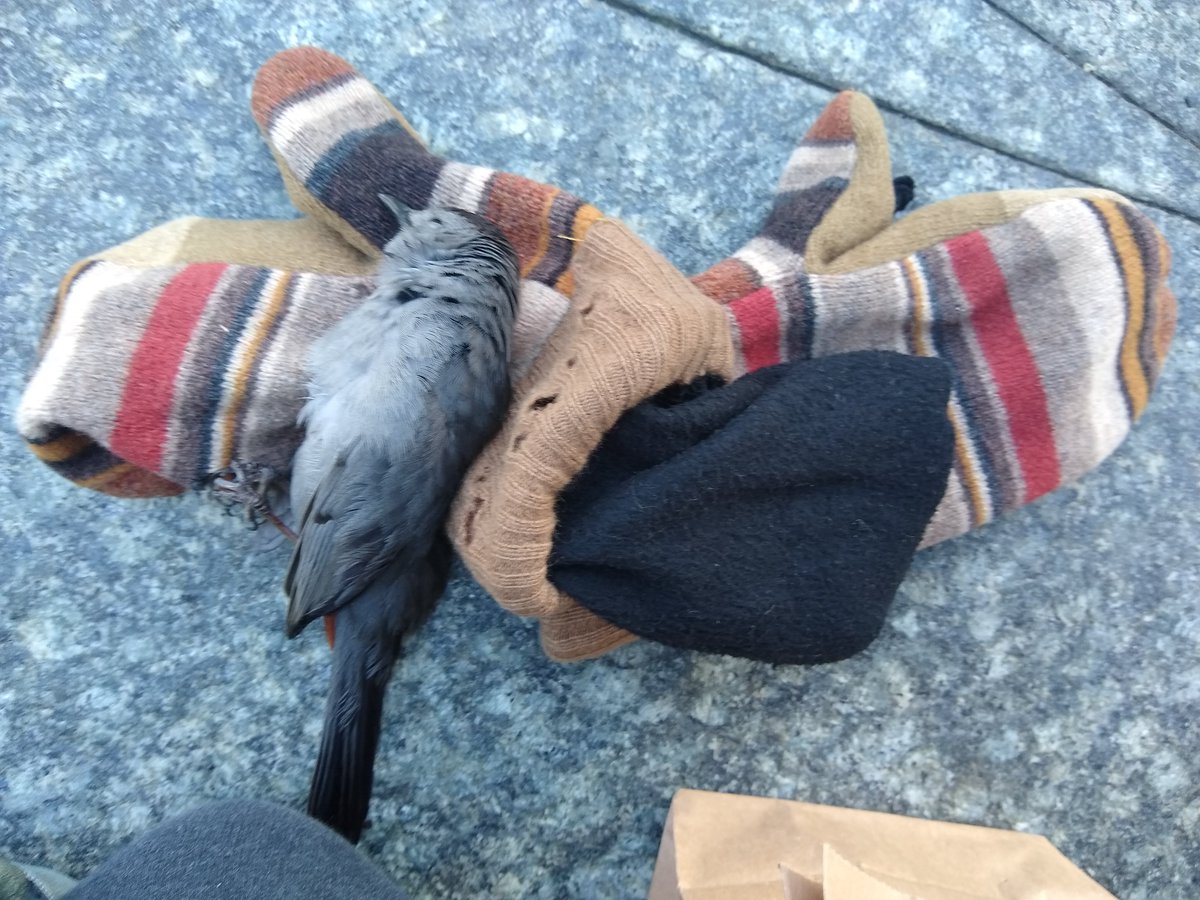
(1041,674)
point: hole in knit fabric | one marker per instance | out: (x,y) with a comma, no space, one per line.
(469,524)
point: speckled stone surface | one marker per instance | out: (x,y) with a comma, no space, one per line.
(966,67)
(1148,50)
(1042,674)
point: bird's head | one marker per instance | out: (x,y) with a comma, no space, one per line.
(430,237)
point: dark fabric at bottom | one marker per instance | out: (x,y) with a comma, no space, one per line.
(772,517)
(237,849)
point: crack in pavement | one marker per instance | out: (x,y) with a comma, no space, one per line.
(1083,63)
(782,67)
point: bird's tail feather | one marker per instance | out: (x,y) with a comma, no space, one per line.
(341,785)
(367,642)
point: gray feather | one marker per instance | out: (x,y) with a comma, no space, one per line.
(403,394)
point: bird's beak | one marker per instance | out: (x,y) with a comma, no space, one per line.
(399,210)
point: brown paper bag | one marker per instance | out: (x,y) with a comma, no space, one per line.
(731,847)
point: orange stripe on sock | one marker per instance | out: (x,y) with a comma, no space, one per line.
(70,444)
(127,480)
(585,217)
(728,280)
(968,465)
(237,394)
(834,123)
(920,307)
(109,475)
(1134,272)
(289,73)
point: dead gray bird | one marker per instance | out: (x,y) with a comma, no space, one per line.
(404,393)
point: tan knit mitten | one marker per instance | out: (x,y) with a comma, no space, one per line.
(1051,309)
(636,326)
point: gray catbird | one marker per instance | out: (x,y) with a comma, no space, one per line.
(404,393)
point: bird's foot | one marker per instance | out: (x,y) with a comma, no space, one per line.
(249,485)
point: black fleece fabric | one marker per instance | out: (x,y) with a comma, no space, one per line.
(772,517)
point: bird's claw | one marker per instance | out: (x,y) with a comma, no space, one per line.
(248,485)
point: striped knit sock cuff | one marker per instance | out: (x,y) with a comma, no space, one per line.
(153,378)
(835,192)
(103,320)
(339,144)
(174,354)
(1051,307)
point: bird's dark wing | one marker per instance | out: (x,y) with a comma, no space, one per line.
(363,515)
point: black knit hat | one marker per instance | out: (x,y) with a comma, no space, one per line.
(772,517)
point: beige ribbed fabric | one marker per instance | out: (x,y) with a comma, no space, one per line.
(860,230)
(867,204)
(938,222)
(635,327)
(304,245)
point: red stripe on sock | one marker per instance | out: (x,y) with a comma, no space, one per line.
(834,123)
(1012,366)
(728,280)
(290,73)
(757,317)
(140,432)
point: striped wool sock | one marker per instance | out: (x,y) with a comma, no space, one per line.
(180,352)
(171,355)
(1051,307)
(339,143)
(1044,339)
